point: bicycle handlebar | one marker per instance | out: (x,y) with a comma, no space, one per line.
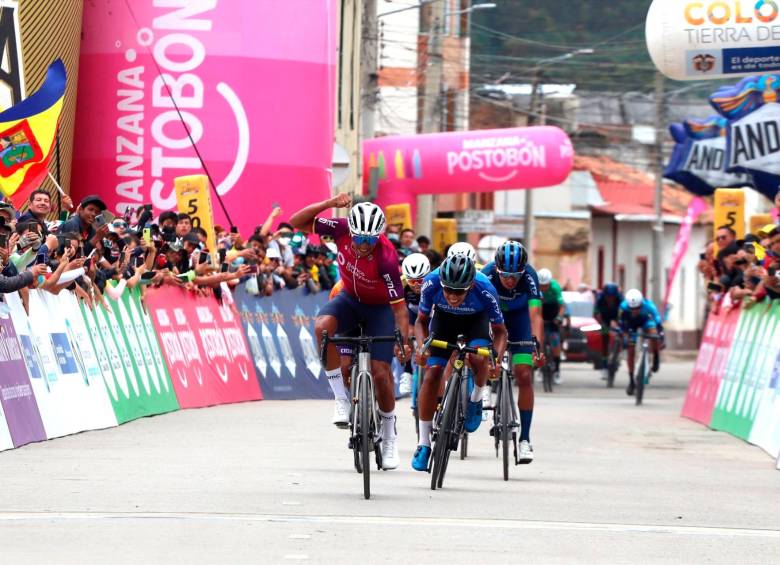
(360,340)
(440,344)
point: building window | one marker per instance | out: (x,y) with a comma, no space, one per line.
(642,278)
(600,267)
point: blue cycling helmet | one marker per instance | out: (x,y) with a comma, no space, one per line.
(511,257)
(611,289)
(457,272)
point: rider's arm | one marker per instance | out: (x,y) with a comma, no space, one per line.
(421,328)
(556,288)
(303,220)
(500,336)
(401,319)
(537,322)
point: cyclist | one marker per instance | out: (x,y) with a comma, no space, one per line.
(637,313)
(518,291)
(415,268)
(606,311)
(465,248)
(456,300)
(553,311)
(372,296)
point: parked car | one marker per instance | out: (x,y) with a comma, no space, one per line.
(581,335)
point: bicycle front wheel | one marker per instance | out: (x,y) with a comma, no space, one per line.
(444,437)
(506,414)
(640,379)
(365,433)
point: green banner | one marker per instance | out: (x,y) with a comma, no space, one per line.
(137,380)
(745,379)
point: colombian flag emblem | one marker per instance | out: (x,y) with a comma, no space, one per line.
(28,131)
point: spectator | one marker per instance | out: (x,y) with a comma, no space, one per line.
(183,225)
(282,275)
(424,244)
(408,244)
(39,207)
(281,242)
(725,236)
(168,221)
(83,221)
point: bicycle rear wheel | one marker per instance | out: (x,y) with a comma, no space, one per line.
(354,417)
(612,365)
(366,437)
(446,431)
(506,412)
(496,429)
(640,379)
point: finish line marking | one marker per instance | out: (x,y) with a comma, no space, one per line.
(395,521)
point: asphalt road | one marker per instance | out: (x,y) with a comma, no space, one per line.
(272,482)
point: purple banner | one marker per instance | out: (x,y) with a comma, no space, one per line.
(16,394)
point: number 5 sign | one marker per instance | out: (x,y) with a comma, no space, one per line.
(730,210)
(194,198)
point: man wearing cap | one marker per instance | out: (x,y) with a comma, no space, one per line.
(39,208)
(82,222)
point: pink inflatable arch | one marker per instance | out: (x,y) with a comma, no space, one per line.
(470,161)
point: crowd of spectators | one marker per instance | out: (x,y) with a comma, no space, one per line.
(747,270)
(93,253)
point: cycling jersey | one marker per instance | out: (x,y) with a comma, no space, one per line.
(552,300)
(603,309)
(482,297)
(524,294)
(373,279)
(411,297)
(646,318)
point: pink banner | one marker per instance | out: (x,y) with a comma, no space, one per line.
(204,346)
(254,82)
(695,209)
(471,161)
(711,363)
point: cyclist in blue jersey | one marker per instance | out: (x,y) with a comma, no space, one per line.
(606,311)
(520,298)
(637,313)
(456,300)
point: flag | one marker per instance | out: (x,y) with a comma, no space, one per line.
(28,131)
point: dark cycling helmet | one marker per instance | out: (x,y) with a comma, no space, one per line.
(457,272)
(611,289)
(511,257)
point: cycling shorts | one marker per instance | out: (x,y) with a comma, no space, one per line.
(633,326)
(376,319)
(518,326)
(447,327)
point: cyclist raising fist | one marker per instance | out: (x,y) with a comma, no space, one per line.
(372,298)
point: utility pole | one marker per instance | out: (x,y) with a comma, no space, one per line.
(658,226)
(528,222)
(432,103)
(370,69)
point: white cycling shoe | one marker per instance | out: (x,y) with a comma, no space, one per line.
(389,453)
(525,453)
(557,377)
(341,413)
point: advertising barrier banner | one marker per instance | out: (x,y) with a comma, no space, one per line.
(204,346)
(16,394)
(69,401)
(766,426)
(280,331)
(710,364)
(131,363)
(747,373)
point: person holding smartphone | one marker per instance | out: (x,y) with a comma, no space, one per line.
(88,222)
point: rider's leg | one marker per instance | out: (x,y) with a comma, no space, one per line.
(525,393)
(333,365)
(426,402)
(604,345)
(631,360)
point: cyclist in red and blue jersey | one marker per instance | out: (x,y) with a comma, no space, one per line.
(456,300)
(638,313)
(518,291)
(372,298)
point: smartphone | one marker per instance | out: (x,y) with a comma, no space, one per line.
(100,221)
(91,253)
(3,239)
(224,268)
(714,287)
(233,229)
(41,259)
(148,275)
(148,236)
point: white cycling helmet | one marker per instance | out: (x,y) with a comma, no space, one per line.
(545,276)
(366,219)
(634,298)
(416,266)
(462,248)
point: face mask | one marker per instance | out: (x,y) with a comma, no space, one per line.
(393,237)
(284,241)
(168,229)
(332,247)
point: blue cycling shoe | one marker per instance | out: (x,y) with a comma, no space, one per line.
(473,416)
(421,457)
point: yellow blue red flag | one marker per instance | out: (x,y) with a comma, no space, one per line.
(28,131)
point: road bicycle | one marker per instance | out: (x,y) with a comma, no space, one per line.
(365,433)
(642,375)
(548,369)
(448,422)
(505,421)
(612,361)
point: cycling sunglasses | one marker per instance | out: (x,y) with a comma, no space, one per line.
(415,281)
(361,239)
(326,238)
(455,291)
(506,275)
